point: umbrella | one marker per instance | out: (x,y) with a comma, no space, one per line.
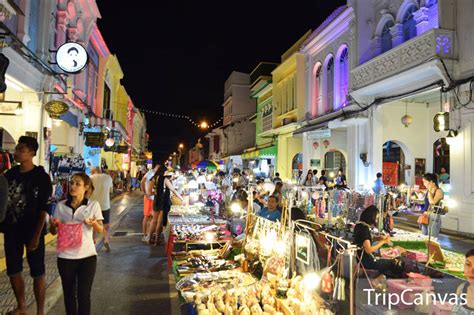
(206,164)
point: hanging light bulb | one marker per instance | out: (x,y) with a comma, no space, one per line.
(110,142)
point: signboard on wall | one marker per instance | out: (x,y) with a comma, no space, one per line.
(122,149)
(315,163)
(390,173)
(319,134)
(94,139)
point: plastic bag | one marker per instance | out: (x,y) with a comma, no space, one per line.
(69,236)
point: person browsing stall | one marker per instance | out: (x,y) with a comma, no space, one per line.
(77,264)
(379,187)
(270,212)
(363,239)
(341,180)
(431,220)
(147,202)
(162,188)
(308,180)
(466,306)
(104,186)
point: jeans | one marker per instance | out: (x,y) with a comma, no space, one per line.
(77,276)
(433,227)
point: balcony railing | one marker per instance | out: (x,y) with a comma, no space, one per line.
(416,51)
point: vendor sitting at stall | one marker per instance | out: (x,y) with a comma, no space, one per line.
(466,288)
(270,212)
(392,268)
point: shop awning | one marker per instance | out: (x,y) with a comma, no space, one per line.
(109,123)
(265,152)
(70,118)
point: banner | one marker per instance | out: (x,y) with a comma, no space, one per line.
(390,173)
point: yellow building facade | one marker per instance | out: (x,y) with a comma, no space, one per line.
(289,92)
(114,107)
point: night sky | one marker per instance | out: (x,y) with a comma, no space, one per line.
(176,55)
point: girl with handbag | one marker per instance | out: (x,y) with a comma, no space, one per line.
(430,220)
(74,220)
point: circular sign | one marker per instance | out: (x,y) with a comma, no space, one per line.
(56,108)
(71,57)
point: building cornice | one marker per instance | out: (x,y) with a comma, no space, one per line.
(335,29)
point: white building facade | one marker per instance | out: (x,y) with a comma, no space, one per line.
(409,66)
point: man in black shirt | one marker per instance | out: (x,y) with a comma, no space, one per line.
(24,226)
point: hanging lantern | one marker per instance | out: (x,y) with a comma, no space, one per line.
(316,145)
(406,119)
(441,122)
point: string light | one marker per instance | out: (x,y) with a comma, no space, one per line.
(191,121)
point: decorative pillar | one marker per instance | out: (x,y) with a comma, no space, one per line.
(397,34)
(422,20)
(61,27)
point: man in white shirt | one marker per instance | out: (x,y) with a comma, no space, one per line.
(103,187)
(147,203)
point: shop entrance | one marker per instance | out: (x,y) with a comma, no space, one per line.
(393,164)
(441,157)
(333,161)
(297,165)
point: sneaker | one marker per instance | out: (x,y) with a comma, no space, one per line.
(107,247)
(145,238)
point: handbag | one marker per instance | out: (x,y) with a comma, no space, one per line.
(69,236)
(423,219)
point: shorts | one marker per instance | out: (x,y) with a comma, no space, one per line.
(106,215)
(147,206)
(14,247)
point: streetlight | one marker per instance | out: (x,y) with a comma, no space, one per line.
(181,146)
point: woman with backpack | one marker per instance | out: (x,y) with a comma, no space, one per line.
(161,187)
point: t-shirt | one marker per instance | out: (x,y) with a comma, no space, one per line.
(103,185)
(28,195)
(270,215)
(361,234)
(149,175)
(88,209)
(378,186)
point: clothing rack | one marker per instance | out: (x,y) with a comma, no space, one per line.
(346,247)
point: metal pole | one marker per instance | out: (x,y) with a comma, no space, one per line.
(351,286)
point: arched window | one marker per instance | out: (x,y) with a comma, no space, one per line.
(386,37)
(409,24)
(330,85)
(316,91)
(343,76)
